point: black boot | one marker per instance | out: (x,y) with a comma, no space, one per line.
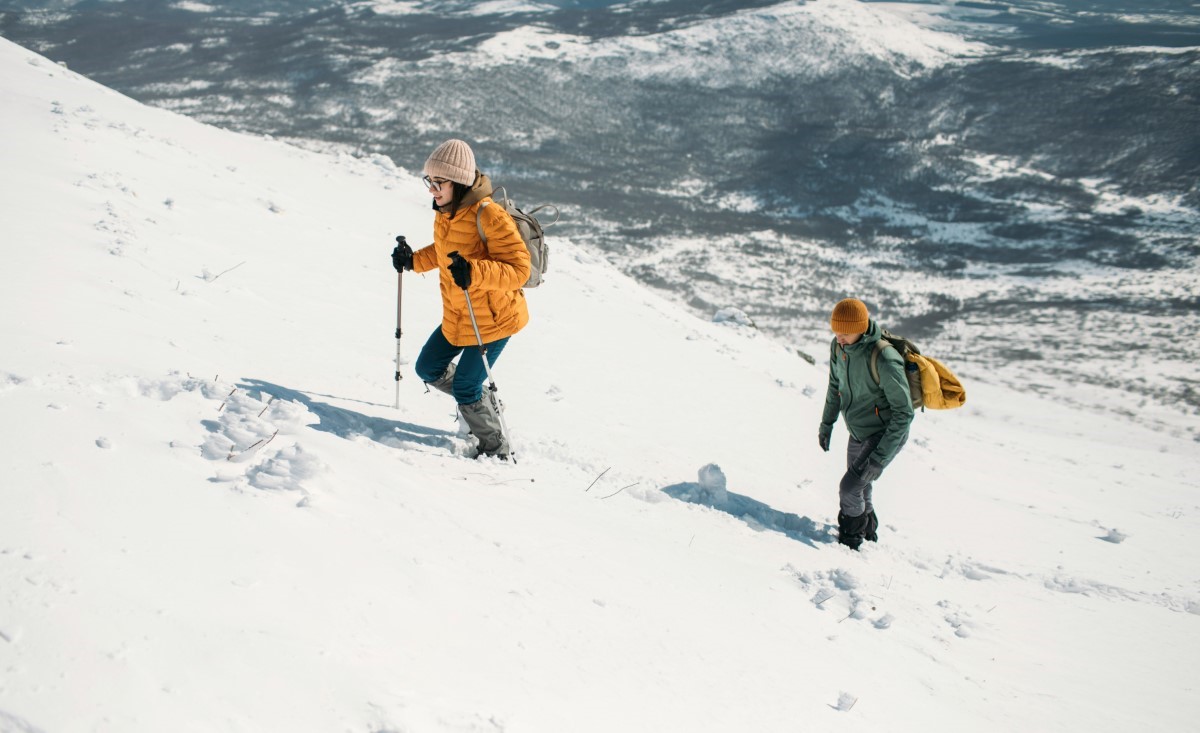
(872,525)
(851,530)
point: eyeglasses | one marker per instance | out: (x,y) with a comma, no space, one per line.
(435,183)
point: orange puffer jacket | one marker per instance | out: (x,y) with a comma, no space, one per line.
(498,269)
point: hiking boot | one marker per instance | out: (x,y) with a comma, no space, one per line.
(851,530)
(869,534)
(483,417)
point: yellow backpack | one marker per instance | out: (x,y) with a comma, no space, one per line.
(930,382)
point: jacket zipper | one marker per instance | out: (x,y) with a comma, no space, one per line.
(849,390)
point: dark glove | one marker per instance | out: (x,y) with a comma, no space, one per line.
(868,471)
(402,255)
(823,439)
(460,270)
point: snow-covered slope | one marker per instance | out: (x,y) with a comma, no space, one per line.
(214,519)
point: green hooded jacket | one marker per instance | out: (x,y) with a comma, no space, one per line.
(869,408)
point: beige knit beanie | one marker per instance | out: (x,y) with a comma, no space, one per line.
(850,316)
(454,160)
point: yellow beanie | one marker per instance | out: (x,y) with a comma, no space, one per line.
(849,316)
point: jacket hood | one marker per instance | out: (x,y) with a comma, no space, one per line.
(481,190)
(870,337)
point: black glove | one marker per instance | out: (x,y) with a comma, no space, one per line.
(823,440)
(460,270)
(402,255)
(868,471)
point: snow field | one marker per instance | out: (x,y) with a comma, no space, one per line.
(216,520)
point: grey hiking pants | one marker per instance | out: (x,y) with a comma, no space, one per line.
(853,491)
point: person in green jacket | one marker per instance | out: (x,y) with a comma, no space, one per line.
(877,414)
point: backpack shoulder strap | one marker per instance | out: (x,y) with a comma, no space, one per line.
(880,345)
(503,192)
(479,220)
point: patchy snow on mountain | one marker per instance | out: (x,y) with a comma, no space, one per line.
(215,517)
(531,42)
(815,38)
(392,7)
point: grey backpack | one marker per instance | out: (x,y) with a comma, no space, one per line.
(531,231)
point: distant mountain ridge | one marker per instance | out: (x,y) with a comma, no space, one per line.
(1021,170)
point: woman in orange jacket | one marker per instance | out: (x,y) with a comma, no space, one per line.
(490,272)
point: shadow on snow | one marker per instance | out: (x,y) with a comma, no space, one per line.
(711,492)
(349,424)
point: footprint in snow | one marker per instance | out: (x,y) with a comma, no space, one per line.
(244,429)
(285,471)
(844,579)
(969,570)
(973,572)
(846,702)
(962,623)
(842,591)
(961,629)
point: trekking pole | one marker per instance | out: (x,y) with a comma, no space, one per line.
(487,368)
(399,306)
